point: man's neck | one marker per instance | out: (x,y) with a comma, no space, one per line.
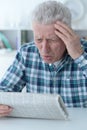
(56,63)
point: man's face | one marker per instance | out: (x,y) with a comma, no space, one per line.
(50,46)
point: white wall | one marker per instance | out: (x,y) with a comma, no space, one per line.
(81,23)
(15,13)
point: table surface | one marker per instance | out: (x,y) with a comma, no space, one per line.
(77,121)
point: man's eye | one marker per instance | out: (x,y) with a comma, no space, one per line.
(38,40)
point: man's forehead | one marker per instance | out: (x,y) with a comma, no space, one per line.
(48,36)
(41,30)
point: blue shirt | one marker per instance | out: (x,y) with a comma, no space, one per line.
(69,78)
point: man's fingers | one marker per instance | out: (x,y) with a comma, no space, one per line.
(4,114)
(61,30)
(5,110)
(64,29)
(61,36)
(5,107)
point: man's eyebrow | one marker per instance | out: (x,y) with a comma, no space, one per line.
(49,37)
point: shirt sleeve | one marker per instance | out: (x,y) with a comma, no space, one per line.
(13,79)
(82,60)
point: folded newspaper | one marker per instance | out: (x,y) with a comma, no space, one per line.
(32,105)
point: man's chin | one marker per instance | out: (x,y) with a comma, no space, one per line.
(48,61)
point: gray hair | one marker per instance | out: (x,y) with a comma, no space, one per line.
(50,11)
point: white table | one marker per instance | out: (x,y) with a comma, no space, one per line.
(78,121)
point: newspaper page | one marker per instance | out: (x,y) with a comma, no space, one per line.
(32,105)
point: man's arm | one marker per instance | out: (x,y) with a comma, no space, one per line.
(82,60)
(70,39)
(75,49)
(12,81)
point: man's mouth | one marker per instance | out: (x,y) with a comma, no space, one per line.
(46,57)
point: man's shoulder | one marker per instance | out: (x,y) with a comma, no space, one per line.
(29,47)
(84,44)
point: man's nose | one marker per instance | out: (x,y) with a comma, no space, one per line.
(45,46)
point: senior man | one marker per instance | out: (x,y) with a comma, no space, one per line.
(56,62)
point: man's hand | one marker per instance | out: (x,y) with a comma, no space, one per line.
(4,110)
(70,39)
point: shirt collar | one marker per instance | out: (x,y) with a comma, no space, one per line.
(61,63)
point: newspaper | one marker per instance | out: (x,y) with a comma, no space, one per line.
(32,105)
